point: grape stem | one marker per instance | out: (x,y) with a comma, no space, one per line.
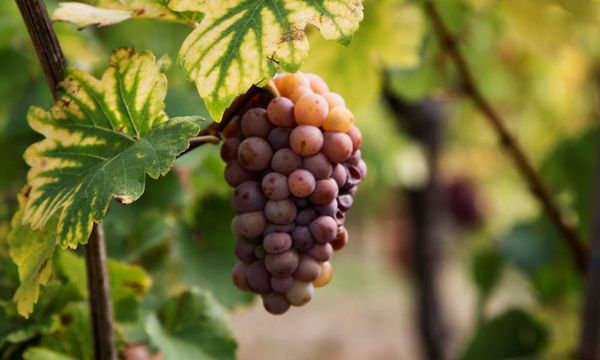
(449,45)
(52,60)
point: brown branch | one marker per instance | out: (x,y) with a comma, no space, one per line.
(508,142)
(52,60)
(589,346)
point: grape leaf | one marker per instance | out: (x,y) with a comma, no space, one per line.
(191,326)
(102,138)
(241,42)
(32,251)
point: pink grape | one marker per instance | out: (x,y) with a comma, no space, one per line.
(318,165)
(283,264)
(281,284)
(337,146)
(323,229)
(249,225)
(275,186)
(276,303)
(248,197)
(302,239)
(281,112)
(276,243)
(306,140)
(280,211)
(308,269)
(311,109)
(255,154)
(321,252)
(301,183)
(285,161)
(325,191)
(238,275)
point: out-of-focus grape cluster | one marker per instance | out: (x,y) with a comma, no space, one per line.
(295,164)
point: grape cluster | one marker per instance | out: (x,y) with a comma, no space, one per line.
(295,164)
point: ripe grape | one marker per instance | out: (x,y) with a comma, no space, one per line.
(311,109)
(254,154)
(301,183)
(294,162)
(306,140)
(281,112)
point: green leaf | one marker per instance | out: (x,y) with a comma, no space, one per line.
(102,138)
(390,36)
(32,251)
(486,268)
(243,42)
(513,334)
(40,353)
(192,326)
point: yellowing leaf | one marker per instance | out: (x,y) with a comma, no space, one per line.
(243,42)
(84,15)
(32,251)
(102,138)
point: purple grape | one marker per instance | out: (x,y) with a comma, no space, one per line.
(306,216)
(341,239)
(256,123)
(339,174)
(318,165)
(321,252)
(337,146)
(238,275)
(275,186)
(258,278)
(281,284)
(354,176)
(277,243)
(362,166)
(273,228)
(249,225)
(308,269)
(280,212)
(326,191)
(302,238)
(323,229)
(279,137)
(329,209)
(355,158)
(344,202)
(254,154)
(285,161)
(281,112)
(340,217)
(276,303)
(229,149)
(248,197)
(282,265)
(235,174)
(306,140)
(244,251)
(301,183)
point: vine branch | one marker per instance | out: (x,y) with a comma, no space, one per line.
(510,144)
(52,60)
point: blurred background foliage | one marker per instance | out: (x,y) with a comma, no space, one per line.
(537,61)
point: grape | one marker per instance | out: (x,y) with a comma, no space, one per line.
(306,216)
(341,239)
(285,161)
(356,137)
(280,212)
(281,112)
(279,137)
(229,149)
(334,99)
(289,82)
(274,186)
(301,183)
(317,84)
(248,197)
(256,123)
(326,275)
(300,293)
(302,239)
(321,252)
(249,225)
(276,243)
(311,109)
(339,174)
(276,303)
(258,278)
(282,265)
(300,92)
(295,163)
(235,174)
(344,202)
(337,146)
(318,165)
(238,276)
(308,269)
(329,209)
(244,251)
(339,119)
(281,284)
(272,228)
(325,192)
(306,140)
(323,229)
